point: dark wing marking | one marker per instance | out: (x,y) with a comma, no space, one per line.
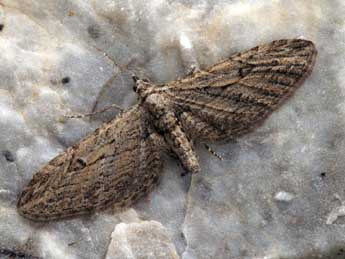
(229,98)
(116,165)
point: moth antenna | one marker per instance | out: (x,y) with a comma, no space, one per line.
(74,116)
(135,78)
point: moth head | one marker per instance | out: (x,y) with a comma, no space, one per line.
(141,86)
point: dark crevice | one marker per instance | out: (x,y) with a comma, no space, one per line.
(12,254)
(65,80)
(8,155)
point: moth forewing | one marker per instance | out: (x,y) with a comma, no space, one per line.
(115,165)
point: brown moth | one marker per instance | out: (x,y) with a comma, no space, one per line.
(121,161)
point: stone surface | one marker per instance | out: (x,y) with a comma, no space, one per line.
(277,194)
(148,239)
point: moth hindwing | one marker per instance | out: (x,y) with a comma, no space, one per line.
(121,161)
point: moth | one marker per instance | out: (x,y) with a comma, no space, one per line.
(121,161)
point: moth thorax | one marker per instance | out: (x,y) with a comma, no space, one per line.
(156,103)
(141,87)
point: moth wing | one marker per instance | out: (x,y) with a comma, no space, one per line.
(115,165)
(229,98)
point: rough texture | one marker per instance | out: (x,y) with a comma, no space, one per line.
(274,193)
(142,240)
(120,162)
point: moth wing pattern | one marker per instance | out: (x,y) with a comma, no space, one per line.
(229,98)
(125,165)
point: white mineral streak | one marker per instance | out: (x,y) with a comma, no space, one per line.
(52,247)
(336,212)
(284,196)
(185,41)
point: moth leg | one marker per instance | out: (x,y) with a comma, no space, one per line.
(214,153)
